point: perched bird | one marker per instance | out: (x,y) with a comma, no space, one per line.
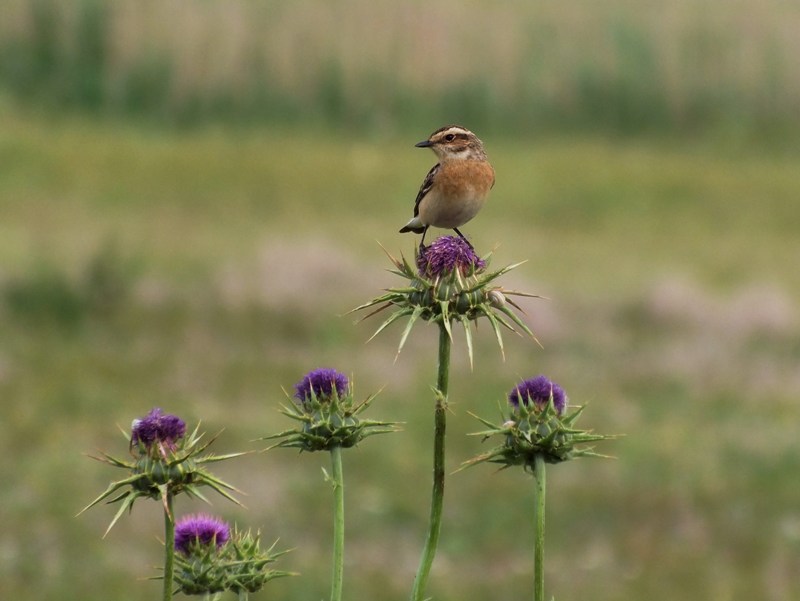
(456,187)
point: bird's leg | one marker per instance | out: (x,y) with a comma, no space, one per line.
(463,237)
(422,240)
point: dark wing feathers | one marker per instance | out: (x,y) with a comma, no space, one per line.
(426,186)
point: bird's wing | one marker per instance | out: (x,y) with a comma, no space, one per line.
(426,186)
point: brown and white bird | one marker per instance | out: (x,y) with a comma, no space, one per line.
(456,187)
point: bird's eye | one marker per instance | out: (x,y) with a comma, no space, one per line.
(450,137)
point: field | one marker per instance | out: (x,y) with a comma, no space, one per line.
(161,245)
(202,272)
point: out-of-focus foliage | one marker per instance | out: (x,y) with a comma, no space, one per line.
(673,313)
(199,269)
(623,66)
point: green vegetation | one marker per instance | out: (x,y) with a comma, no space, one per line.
(621,66)
(228,260)
(192,197)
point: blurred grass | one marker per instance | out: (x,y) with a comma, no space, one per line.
(647,165)
(622,66)
(201,271)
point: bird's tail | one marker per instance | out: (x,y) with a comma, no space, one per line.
(413,226)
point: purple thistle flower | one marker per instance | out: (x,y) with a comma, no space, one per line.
(200,529)
(447,253)
(539,390)
(157,427)
(322,382)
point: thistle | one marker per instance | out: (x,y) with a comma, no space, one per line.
(329,421)
(537,425)
(328,415)
(537,430)
(247,570)
(449,283)
(200,531)
(165,462)
(211,558)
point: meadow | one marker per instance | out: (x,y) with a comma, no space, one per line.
(163,243)
(202,272)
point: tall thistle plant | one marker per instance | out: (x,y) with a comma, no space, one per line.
(448,284)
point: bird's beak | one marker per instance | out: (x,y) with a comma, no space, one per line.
(424,144)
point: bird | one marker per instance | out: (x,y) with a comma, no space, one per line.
(456,187)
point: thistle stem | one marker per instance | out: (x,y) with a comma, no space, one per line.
(338,524)
(538,565)
(169,548)
(437,496)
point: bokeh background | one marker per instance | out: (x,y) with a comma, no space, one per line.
(192,196)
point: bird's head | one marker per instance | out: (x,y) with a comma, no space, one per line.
(454,142)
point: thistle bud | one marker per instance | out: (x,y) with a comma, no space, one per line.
(248,569)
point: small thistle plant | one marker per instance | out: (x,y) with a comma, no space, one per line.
(537,425)
(537,430)
(164,463)
(328,417)
(212,558)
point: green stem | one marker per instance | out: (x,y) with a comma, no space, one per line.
(338,524)
(538,565)
(243,595)
(437,496)
(169,548)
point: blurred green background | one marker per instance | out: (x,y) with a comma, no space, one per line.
(192,196)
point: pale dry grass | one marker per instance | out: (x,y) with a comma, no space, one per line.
(368,58)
